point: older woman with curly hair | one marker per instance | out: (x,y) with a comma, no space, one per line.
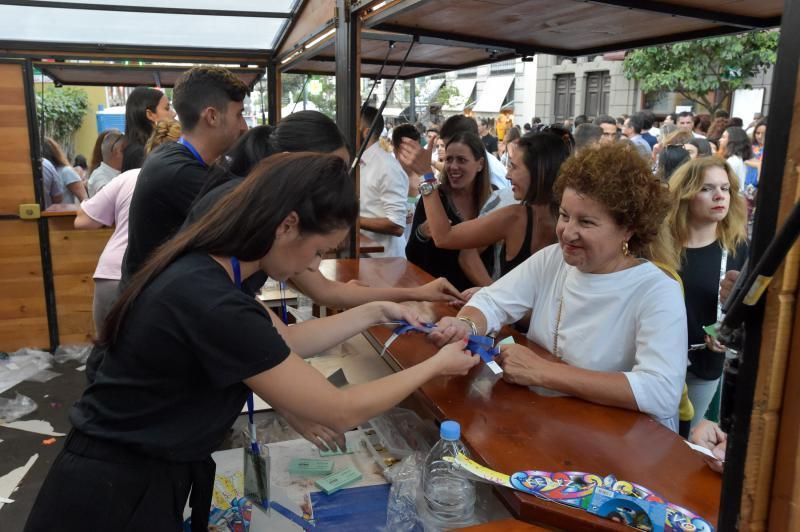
(599,298)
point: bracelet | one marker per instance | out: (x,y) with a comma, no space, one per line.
(420,236)
(469,322)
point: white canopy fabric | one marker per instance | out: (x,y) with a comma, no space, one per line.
(494,92)
(147,26)
(427,93)
(465,88)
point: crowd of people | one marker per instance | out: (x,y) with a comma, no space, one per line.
(604,241)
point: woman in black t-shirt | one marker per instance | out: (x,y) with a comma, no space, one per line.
(143,109)
(184,345)
(708,223)
(524,228)
(464,192)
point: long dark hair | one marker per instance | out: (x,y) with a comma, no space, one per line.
(738,143)
(137,126)
(242,224)
(543,154)
(301,131)
(481,187)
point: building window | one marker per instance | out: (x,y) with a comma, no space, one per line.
(502,66)
(564,105)
(467,73)
(561,58)
(598,90)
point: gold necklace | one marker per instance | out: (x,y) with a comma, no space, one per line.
(558,324)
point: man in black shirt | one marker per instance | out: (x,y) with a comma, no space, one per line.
(489,140)
(208,101)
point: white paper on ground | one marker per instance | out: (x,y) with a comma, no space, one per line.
(10,481)
(33,425)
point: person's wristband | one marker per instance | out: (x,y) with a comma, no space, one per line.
(473,327)
(429,177)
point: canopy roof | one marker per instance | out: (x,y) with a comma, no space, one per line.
(129,75)
(251,28)
(456,34)
(298,35)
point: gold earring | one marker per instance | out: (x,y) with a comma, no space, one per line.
(625,250)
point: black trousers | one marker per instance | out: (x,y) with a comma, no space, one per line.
(97,485)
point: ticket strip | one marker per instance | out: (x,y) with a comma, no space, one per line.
(483,346)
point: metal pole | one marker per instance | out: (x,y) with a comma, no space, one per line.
(347,94)
(413,105)
(273,93)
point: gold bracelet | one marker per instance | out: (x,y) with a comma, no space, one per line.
(472,325)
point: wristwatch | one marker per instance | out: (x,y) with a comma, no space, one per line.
(426,188)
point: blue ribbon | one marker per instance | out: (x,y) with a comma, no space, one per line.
(193,150)
(483,346)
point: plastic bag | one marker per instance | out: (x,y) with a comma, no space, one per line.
(13,409)
(22,365)
(79,353)
(406,478)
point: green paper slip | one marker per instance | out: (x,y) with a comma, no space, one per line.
(333,483)
(310,467)
(711,330)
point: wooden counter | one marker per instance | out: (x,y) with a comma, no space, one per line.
(510,428)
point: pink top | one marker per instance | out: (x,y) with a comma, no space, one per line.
(110,207)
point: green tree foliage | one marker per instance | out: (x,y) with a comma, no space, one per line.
(705,71)
(446,93)
(63,110)
(320,90)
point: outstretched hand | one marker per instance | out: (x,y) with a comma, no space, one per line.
(324,438)
(414,156)
(440,290)
(449,330)
(454,359)
(390,311)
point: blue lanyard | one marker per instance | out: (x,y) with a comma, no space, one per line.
(195,153)
(237,280)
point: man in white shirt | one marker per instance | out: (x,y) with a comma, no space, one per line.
(383,191)
(111,150)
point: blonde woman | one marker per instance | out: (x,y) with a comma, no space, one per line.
(109,207)
(708,225)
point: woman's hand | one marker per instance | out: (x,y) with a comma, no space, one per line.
(708,434)
(414,156)
(439,290)
(521,365)
(321,436)
(454,359)
(388,311)
(449,330)
(713,345)
(467,294)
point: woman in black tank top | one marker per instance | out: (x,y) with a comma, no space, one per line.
(534,161)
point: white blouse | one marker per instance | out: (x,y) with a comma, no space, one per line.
(632,321)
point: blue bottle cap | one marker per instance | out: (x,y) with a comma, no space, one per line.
(450,430)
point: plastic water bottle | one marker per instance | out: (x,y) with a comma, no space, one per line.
(449,497)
